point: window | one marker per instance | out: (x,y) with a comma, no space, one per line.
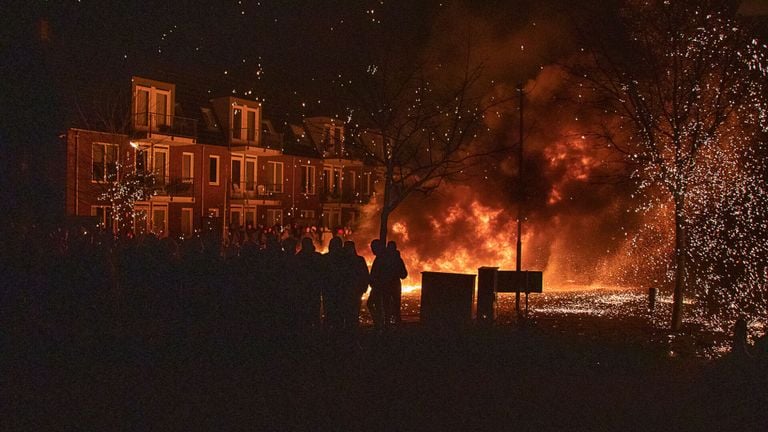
(366,183)
(333,137)
(159,221)
(237,122)
(251,124)
(332,180)
(187,167)
(244,121)
(140,220)
(250,217)
(306,214)
(274,217)
(208,118)
(250,175)
(141,161)
(161,109)
(213,212)
(104,162)
(186,222)
(237,165)
(353,182)
(331,218)
(235,217)
(153,107)
(213,169)
(307,179)
(275,176)
(142,106)
(160,165)
(104,217)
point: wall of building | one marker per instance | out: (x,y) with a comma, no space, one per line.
(82,192)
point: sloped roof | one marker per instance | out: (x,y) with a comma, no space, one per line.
(297,143)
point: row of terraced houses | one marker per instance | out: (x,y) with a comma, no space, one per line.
(215,163)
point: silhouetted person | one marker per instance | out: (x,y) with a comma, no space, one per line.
(333,286)
(308,284)
(378,282)
(394,289)
(358,279)
(739,342)
(288,295)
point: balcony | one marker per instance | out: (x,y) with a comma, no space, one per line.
(251,190)
(147,124)
(343,197)
(269,143)
(171,187)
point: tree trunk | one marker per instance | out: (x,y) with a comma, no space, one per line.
(680,262)
(383,225)
(385,208)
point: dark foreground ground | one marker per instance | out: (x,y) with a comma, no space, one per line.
(553,374)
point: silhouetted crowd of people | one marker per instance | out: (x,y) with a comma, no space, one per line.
(80,285)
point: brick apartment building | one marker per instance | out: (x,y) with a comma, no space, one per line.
(206,163)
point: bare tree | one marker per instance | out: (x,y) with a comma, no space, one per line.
(683,87)
(420,124)
(101,107)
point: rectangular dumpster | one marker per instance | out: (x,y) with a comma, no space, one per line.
(509,281)
(446,299)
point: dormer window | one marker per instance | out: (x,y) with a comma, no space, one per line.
(209,120)
(153,107)
(244,123)
(333,139)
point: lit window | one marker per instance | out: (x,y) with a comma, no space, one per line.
(307,179)
(236,171)
(275,176)
(250,175)
(244,121)
(187,167)
(366,183)
(332,180)
(331,218)
(160,165)
(250,217)
(274,217)
(153,107)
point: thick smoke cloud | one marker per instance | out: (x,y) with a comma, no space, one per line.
(576,214)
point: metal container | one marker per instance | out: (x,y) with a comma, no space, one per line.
(446,299)
(486,294)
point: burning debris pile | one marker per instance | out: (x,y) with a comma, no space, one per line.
(595,214)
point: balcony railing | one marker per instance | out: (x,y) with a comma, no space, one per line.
(160,185)
(344,197)
(270,140)
(147,123)
(251,190)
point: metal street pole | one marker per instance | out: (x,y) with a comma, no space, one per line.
(520,198)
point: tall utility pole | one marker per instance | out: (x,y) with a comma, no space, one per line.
(520,198)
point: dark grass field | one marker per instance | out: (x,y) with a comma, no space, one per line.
(560,371)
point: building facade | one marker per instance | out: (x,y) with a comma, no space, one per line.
(188,165)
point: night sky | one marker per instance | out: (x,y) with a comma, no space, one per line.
(60,55)
(293,55)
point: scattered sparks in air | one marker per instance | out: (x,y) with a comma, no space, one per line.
(707,168)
